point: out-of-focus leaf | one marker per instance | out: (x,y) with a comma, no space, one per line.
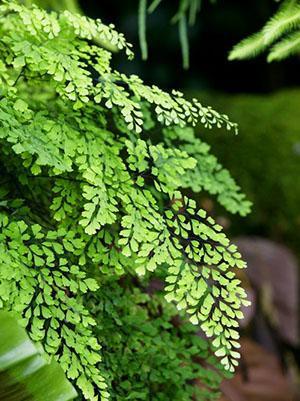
(24,372)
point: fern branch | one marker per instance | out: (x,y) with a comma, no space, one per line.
(183,36)
(284,21)
(248,48)
(142,15)
(285,48)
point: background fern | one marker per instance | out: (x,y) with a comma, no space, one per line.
(281,35)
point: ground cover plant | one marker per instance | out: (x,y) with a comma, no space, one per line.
(96,167)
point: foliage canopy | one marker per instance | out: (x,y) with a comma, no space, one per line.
(93,205)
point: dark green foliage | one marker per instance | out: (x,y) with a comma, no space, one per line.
(93,163)
(269,141)
(150,351)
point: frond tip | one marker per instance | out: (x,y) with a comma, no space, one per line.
(287,47)
(248,48)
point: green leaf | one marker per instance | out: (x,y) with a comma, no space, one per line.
(24,368)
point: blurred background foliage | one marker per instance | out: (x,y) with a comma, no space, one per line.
(26,374)
(218,27)
(264,158)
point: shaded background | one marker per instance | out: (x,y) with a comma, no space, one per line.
(219,26)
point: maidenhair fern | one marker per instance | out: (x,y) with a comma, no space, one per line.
(96,168)
(281,35)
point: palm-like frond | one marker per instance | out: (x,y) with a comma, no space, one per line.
(248,48)
(286,47)
(283,27)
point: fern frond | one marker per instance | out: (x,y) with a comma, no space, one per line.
(92,193)
(248,48)
(287,47)
(284,22)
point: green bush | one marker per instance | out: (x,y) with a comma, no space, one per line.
(150,350)
(264,158)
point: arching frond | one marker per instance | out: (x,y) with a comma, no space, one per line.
(94,170)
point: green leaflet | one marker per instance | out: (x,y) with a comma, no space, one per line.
(41,282)
(93,164)
(208,174)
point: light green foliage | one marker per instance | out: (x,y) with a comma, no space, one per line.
(208,173)
(45,286)
(281,35)
(57,5)
(92,165)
